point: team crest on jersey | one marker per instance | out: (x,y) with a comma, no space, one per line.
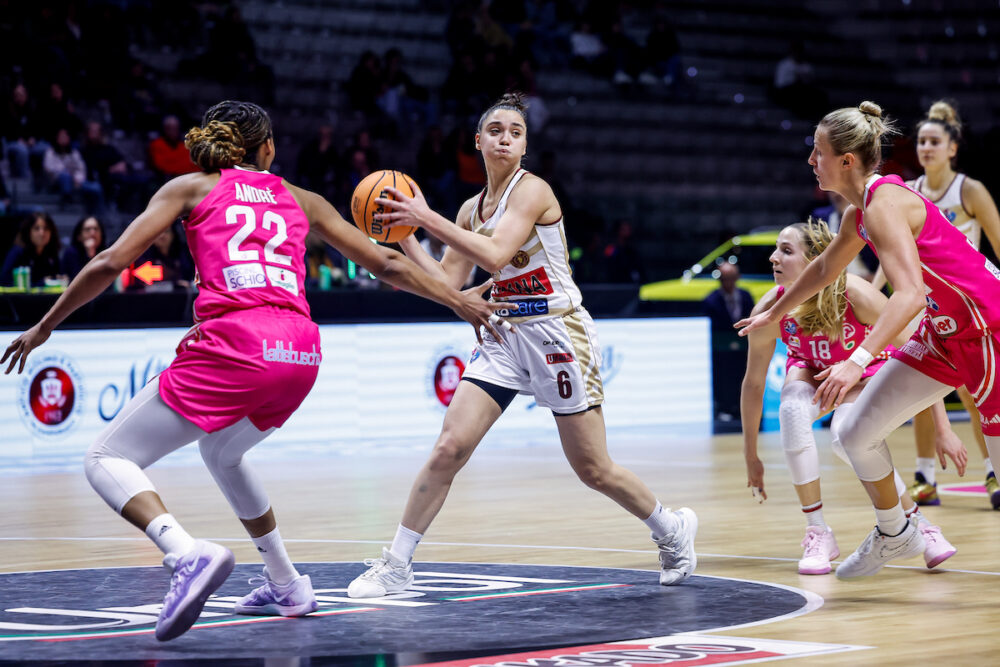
(793,341)
(520,259)
(862,232)
(951,215)
(790,327)
(849,332)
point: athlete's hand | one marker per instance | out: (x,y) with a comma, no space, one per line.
(480,313)
(755,478)
(404,210)
(951,446)
(22,345)
(748,324)
(837,381)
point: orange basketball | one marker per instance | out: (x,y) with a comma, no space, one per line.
(364,208)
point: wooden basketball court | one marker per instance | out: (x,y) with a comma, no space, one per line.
(519,503)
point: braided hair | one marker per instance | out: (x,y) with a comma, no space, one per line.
(231,132)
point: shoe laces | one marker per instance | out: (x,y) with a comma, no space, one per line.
(866,546)
(931,533)
(813,543)
(375,567)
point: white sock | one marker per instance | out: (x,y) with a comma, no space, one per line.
(814,514)
(170,538)
(280,569)
(405,543)
(915,513)
(661,522)
(989,466)
(926,468)
(891,522)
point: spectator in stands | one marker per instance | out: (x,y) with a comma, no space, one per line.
(463,91)
(471,175)
(401,99)
(587,50)
(365,84)
(357,169)
(66,173)
(171,252)
(138,105)
(622,257)
(460,31)
(363,141)
(436,171)
(729,303)
(168,154)
(627,58)
(56,111)
(106,165)
(663,52)
(317,163)
(37,247)
(794,85)
(88,239)
(22,134)
(725,306)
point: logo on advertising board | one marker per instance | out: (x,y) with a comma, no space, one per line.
(50,396)
(113,396)
(444,373)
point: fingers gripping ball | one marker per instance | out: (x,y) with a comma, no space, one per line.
(364,209)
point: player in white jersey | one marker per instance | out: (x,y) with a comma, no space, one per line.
(514,229)
(967,204)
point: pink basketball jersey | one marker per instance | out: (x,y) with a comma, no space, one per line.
(247,237)
(817,351)
(961,285)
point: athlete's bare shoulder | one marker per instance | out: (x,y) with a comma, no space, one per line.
(534,189)
(189,188)
(766,301)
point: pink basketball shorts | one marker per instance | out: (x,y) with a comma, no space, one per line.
(960,361)
(258,363)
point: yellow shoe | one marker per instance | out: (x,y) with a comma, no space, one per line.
(926,494)
(993,488)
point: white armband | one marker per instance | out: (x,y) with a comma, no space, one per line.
(861,357)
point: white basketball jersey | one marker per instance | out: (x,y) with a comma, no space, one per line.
(537,281)
(950,204)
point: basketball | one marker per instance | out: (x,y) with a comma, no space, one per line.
(364,209)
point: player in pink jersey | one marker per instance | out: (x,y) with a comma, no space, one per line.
(820,332)
(929,267)
(967,204)
(245,366)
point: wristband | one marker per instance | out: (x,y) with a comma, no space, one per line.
(861,357)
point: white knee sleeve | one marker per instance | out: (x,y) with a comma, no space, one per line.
(893,395)
(223,453)
(993,447)
(796,416)
(145,430)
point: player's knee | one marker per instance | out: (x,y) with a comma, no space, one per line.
(450,454)
(216,460)
(594,475)
(838,450)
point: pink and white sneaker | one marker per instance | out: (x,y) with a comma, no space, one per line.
(820,548)
(936,548)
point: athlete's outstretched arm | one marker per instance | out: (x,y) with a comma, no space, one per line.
(818,274)
(526,205)
(759,354)
(169,203)
(393,267)
(453,268)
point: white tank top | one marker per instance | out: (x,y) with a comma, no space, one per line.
(950,204)
(537,281)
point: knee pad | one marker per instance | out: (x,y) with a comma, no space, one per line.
(796,416)
(868,455)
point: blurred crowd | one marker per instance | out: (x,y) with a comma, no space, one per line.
(88,134)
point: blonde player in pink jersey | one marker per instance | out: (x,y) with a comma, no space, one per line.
(930,266)
(514,229)
(967,204)
(245,366)
(820,332)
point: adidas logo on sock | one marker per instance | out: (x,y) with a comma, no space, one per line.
(163,530)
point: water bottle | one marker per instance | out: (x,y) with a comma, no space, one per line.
(324,277)
(22,277)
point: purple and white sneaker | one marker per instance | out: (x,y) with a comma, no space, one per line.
(196,576)
(296,598)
